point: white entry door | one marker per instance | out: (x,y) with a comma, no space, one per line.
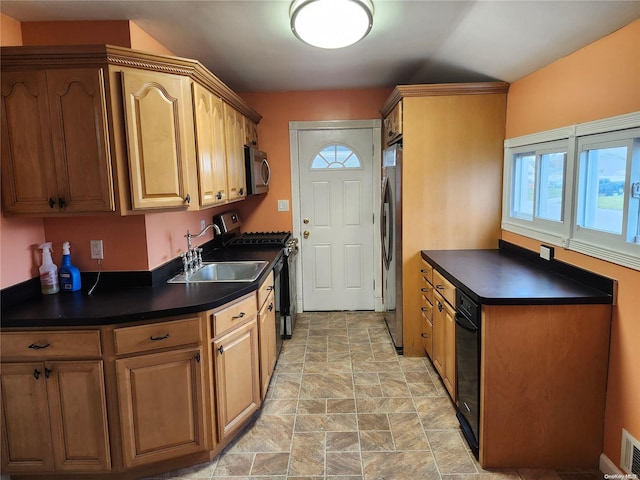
(337,218)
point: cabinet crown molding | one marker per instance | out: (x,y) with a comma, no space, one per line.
(440,89)
(96,55)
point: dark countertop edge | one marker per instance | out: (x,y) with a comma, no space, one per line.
(602,284)
(33,286)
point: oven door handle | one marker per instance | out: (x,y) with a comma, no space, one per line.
(467,325)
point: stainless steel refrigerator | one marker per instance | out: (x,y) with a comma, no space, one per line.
(391,236)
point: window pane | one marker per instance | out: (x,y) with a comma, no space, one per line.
(551,186)
(523,185)
(335,156)
(601,196)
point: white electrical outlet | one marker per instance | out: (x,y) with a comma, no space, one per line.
(546,252)
(97,252)
(283,205)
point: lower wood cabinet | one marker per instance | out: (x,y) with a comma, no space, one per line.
(54,417)
(444,343)
(267,333)
(161,399)
(236,366)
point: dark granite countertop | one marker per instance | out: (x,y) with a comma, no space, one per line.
(112,305)
(500,277)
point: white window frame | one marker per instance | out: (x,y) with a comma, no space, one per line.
(606,246)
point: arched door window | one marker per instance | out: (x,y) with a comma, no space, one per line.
(336,156)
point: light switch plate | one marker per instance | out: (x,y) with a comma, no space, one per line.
(283,205)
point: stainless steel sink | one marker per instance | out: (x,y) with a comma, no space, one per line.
(239,271)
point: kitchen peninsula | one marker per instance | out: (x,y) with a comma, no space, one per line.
(131,382)
(537,389)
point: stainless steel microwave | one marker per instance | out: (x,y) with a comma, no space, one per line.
(257,170)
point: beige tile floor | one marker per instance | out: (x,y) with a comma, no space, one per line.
(343,406)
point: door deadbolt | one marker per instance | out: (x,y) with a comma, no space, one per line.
(305,221)
(306,233)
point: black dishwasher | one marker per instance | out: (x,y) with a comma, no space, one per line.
(468,368)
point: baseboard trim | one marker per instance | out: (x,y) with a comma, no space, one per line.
(608,467)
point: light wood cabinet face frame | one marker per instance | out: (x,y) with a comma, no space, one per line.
(267,333)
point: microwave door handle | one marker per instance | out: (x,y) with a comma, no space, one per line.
(265,163)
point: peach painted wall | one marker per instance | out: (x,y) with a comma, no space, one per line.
(277,110)
(114,32)
(598,81)
(10,31)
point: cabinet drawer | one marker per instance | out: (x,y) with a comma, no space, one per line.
(427,308)
(265,290)
(48,345)
(427,271)
(427,289)
(234,314)
(444,287)
(154,336)
(427,335)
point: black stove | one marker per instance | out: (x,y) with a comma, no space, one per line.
(275,239)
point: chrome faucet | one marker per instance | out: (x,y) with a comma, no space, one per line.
(192,258)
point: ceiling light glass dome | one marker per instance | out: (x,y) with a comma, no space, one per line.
(331,23)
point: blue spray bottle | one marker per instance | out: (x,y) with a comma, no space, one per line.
(69,274)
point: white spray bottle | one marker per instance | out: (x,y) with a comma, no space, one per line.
(48,272)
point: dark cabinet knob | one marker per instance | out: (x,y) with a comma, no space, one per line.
(187,198)
(36,373)
(221,349)
(241,191)
(219,196)
(62,202)
(52,202)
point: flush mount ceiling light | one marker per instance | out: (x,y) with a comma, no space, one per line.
(331,23)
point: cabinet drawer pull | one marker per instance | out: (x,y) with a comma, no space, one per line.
(423,290)
(198,357)
(270,307)
(164,337)
(440,287)
(36,373)
(221,349)
(242,314)
(422,270)
(424,309)
(35,346)
(424,335)
(440,307)
(269,288)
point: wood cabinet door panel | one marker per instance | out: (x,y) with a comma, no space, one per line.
(28,171)
(450,352)
(234,134)
(26,430)
(210,145)
(161,405)
(78,115)
(153,104)
(267,337)
(236,366)
(78,416)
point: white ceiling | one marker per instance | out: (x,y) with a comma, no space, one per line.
(248,43)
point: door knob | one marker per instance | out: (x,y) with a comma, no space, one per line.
(306,233)
(305,221)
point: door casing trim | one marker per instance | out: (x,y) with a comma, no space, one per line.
(376,126)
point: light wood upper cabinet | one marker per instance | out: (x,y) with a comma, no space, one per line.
(392,125)
(251,133)
(159,127)
(54,417)
(55,142)
(210,146)
(235,137)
